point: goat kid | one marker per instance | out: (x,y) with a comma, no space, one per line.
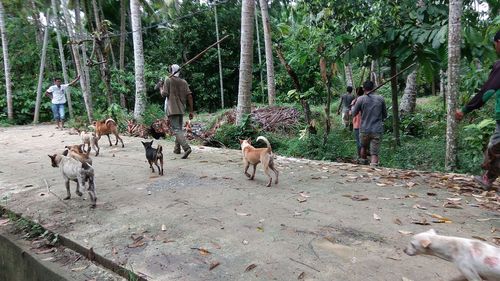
(77,171)
(154,155)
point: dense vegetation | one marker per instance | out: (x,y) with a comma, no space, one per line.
(370,37)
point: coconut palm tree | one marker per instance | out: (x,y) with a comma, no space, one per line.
(140,85)
(246,60)
(409,99)
(6,64)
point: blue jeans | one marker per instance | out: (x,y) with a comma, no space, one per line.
(58,111)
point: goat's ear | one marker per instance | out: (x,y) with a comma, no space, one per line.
(241,141)
(151,142)
(425,243)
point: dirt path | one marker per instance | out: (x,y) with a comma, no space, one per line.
(205,202)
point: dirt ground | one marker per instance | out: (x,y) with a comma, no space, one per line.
(204,212)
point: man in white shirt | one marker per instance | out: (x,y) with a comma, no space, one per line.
(57,93)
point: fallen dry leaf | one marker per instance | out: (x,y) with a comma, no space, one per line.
(397,221)
(243,214)
(260,228)
(496,240)
(359,197)
(213,265)
(440,218)
(4,221)
(304,195)
(417,206)
(163,227)
(404,232)
(405,279)
(45,251)
(301,200)
(250,267)
(431,194)
(478,238)
(453,205)
(410,184)
(422,221)
(76,269)
(301,276)
(376,217)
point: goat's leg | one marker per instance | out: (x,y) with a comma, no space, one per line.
(118,138)
(109,139)
(151,166)
(246,170)
(68,196)
(253,174)
(161,164)
(78,183)
(157,166)
(92,193)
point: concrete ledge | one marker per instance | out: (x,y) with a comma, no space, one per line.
(17,263)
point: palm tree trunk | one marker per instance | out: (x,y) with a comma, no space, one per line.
(42,67)
(123,15)
(409,99)
(268,44)
(61,56)
(455,12)
(6,64)
(395,111)
(140,87)
(86,71)
(78,62)
(246,61)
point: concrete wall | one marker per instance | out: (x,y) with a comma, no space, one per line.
(17,264)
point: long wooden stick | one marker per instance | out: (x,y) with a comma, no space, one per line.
(394,76)
(199,55)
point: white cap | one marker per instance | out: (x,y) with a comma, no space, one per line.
(174,69)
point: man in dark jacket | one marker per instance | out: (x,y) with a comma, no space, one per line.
(177,91)
(490,89)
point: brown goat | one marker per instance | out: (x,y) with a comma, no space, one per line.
(106,127)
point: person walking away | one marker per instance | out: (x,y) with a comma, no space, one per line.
(373,112)
(490,89)
(177,91)
(57,94)
(356,121)
(344,105)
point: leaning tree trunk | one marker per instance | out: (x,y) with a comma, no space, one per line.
(298,87)
(42,67)
(36,20)
(140,85)
(409,99)
(246,61)
(86,71)
(395,111)
(268,44)
(6,64)
(61,56)
(78,62)
(123,13)
(259,53)
(455,12)
(100,42)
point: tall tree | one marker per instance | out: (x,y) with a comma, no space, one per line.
(454,31)
(246,60)
(348,75)
(140,85)
(42,68)
(80,66)
(123,16)
(409,99)
(6,64)
(271,86)
(61,55)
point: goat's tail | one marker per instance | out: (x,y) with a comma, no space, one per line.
(269,149)
(110,122)
(159,149)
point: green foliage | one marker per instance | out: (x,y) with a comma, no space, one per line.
(153,112)
(473,141)
(229,134)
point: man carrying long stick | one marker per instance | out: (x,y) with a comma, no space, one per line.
(177,91)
